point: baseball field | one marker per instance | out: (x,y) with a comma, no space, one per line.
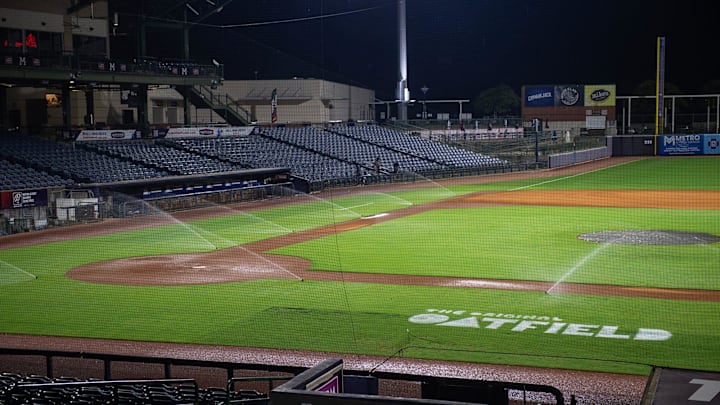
(612,266)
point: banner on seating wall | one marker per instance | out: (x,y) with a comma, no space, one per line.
(204,132)
(235,131)
(105,134)
(194,132)
(23,199)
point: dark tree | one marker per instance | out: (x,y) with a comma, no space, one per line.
(498,101)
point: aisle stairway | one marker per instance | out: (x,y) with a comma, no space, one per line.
(222,104)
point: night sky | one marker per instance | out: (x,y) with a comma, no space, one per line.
(457,48)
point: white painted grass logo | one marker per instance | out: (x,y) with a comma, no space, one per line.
(533,324)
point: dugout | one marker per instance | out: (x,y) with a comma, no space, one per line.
(328,383)
(671,386)
(174,193)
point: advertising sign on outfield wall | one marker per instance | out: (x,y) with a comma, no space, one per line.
(600,95)
(690,144)
(539,96)
(569,95)
(711,144)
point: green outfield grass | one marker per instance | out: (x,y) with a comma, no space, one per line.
(525,243)
(617,334)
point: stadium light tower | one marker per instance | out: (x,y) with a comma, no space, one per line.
(403,94)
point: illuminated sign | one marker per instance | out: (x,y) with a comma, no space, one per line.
(569,95)
(600,95)
(29,42)
(539,96)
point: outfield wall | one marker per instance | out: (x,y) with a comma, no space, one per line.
(644,145)
(688,144)
(665,145)
(580,156)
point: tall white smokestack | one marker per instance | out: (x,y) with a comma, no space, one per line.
(403,94)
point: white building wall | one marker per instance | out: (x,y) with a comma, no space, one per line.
(300,100)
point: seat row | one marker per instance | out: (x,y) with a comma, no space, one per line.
(42,390)
(163,157)
(16,177)
(67,161)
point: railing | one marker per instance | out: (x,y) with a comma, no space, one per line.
(290,372)
(223,101)
(529,150)
(79,63)
(108,360)
(112,385)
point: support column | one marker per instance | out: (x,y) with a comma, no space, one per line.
(66,107)
(142,108)
(3,109)
(187,116)
(90,108)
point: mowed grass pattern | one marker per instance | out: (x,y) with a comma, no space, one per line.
(524,243)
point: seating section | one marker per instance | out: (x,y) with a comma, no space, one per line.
(68,161)
(337,155)
(256,151)
(420,147)
(351,149)
(163,157)
(16,177)
(42,390)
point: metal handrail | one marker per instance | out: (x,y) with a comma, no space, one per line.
(217,101)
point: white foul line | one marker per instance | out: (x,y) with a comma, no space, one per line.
(569,177)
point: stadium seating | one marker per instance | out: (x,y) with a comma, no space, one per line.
(350,149)
(17,177)
(257,151)
(42,390)
(69,162)
(416,146)
(162,157)
(334,156)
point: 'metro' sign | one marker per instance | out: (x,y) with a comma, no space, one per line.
(689,144)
